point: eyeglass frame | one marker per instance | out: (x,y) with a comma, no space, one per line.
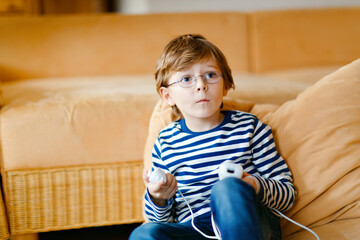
(196,77)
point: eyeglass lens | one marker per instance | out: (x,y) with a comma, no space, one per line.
(190,80)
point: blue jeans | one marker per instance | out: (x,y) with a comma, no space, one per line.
(237,213)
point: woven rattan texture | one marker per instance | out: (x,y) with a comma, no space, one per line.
(55,199)
(4,232)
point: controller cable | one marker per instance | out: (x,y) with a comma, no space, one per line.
(226,169)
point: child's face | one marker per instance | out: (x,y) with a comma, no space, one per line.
(202,101)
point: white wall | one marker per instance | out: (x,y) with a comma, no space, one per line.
(160,6)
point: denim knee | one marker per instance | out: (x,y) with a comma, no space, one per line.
(225,188)
(233,203)
(232,197)
(146,231)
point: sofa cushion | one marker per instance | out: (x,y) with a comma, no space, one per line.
(262,88)
(338,230)
(318,134)
(62,122)
(309,75)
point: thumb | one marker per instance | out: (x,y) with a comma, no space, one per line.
(145,176)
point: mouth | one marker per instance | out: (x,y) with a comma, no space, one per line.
(202,101)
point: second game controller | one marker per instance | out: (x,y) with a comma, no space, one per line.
(229,169)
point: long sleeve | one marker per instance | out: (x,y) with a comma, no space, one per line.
(153,212)
(275,180)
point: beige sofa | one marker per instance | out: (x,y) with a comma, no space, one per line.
(78,94)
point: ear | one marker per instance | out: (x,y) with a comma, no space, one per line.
(166,96)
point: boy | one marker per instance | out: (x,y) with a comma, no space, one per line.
(193,76)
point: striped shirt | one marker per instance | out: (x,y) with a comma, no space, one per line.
(194,158)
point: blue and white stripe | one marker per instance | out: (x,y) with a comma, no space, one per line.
(194,157)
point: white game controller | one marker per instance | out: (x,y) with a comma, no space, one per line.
(229,169)
(157,175)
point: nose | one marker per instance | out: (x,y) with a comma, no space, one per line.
(200,84)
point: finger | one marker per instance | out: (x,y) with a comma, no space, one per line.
(174,187)
(167,193)
(174,183)
(172,193)
(145,176)
(249,180)
(171,187)
(245,174)
(159,186)
(169,178)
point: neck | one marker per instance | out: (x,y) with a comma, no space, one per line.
(204,124)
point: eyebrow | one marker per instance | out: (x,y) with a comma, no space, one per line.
(186,72)
(214,66)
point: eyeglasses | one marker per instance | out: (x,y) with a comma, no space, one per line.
(188,81)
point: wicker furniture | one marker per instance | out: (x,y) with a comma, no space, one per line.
(75,197)
(4,231)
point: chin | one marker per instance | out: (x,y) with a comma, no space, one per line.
(206,114)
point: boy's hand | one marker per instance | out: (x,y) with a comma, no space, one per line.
(160,192)
(249,179)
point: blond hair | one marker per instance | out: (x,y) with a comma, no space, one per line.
(182,52)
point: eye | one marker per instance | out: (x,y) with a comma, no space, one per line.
(211,75)
(186,79)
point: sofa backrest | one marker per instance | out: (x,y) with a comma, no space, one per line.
(88,45)
(108,44)
(303,38)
